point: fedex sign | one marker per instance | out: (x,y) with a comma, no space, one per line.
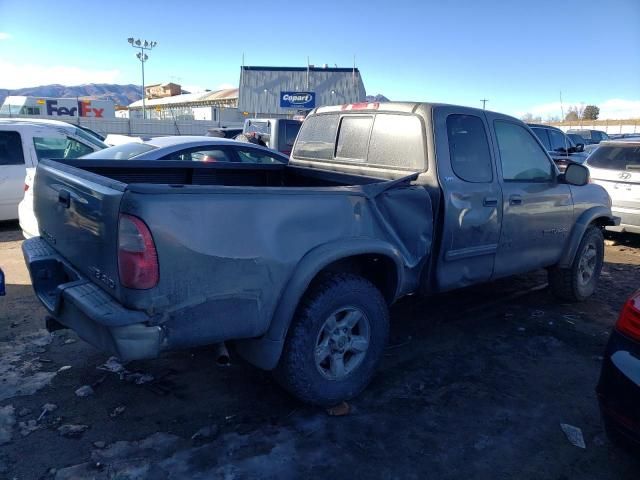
(83,109)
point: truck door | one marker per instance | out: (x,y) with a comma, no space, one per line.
(471,198)
(537,209)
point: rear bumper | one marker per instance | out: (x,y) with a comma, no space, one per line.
(629,220)
(84,307)
(619,387)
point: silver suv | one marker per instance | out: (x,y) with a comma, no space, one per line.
(616,166)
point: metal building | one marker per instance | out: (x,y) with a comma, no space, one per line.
(220,105)
(284,91)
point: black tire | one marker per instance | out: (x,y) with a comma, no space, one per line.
(297,370)
(568,283)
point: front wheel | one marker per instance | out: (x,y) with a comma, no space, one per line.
(578,281)
(335,341)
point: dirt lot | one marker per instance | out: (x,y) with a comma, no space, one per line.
(475,384)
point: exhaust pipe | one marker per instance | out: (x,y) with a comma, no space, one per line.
(52,325)
(223,359)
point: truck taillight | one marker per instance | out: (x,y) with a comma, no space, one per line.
(137,257)
(629,321)
(26,187)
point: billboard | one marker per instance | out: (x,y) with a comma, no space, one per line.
(299,100)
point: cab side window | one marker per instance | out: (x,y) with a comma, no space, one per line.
(469,148)
(11,149)
(559,143)
(521,156)
(541,133)
(59,147)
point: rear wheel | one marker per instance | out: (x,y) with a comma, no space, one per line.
(578,281)
(335,341)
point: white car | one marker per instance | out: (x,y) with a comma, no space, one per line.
(615,165)
(23,142)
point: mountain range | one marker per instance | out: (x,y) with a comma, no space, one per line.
(118,94)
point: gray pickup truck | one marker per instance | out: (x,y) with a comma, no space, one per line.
(298,264)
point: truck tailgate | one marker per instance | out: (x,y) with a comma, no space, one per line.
(78,216)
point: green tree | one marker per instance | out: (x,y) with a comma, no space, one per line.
(590,112)
(572,115)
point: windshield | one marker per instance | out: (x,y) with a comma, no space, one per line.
(616,157)
(125,151)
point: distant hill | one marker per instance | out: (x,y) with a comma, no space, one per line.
(376,98)
(118,94)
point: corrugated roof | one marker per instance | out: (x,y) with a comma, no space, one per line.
(314,68)
(186,98)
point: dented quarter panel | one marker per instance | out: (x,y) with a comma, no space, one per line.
(226,257)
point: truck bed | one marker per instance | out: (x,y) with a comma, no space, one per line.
(165,172)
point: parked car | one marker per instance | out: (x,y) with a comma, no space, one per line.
(298,263)
(615,165)
(23,142)
(576,139)
(619,386)
(617,136)
(276,133)
(190,148)
(559,146)
(591,137)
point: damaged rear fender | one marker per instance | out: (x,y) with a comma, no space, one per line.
(265,352)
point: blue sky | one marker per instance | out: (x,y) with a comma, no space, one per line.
(517,54)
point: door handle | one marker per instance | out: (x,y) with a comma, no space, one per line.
(64,198)
(490,201)
(515,200)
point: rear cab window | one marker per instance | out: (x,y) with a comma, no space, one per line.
(376,139)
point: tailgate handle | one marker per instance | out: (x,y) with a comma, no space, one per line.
(64,197)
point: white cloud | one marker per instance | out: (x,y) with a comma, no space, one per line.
(32,75)
(5,36)
(619,108)
(614,109)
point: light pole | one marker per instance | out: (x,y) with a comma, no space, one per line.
(484,103)
(143,57)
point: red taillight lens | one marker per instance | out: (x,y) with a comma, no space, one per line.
(629,321)
(26,187)
(137,257)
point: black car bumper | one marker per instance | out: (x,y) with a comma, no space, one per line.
(77,303)
(619,388)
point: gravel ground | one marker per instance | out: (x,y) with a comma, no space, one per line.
(474,384)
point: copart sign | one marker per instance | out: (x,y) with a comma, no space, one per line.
(305,100)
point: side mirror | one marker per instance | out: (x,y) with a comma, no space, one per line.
(580,147)
(576,174)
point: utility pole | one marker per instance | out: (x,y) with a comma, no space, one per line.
(143,57)
(484,102)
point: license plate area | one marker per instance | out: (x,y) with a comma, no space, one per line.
(49,278)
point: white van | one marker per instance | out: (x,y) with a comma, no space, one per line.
(25,141)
